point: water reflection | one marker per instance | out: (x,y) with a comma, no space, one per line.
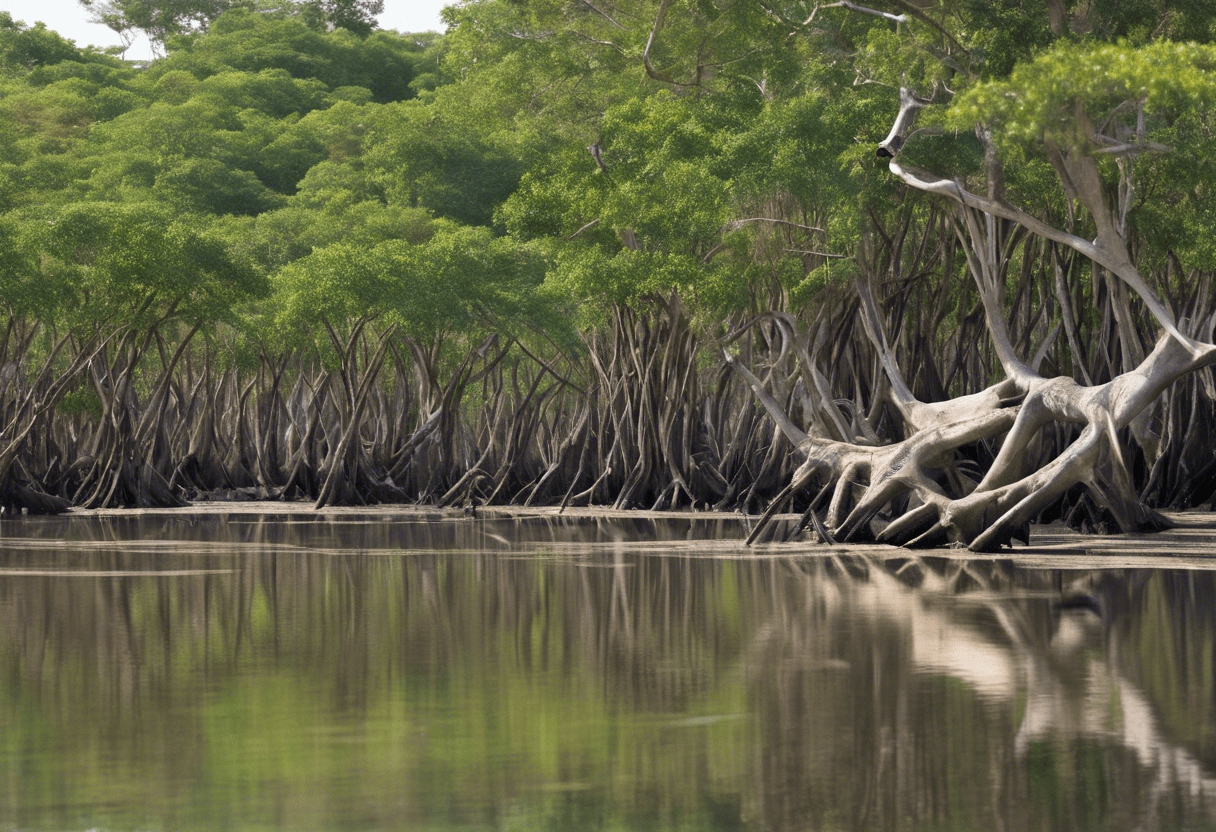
(432,673)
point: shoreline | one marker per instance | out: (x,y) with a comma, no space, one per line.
(1191,544)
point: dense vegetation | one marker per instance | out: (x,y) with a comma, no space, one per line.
(639,254)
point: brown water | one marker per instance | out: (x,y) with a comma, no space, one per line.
(406,671)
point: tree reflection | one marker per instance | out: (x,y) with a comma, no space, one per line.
(982,695)
(549,672)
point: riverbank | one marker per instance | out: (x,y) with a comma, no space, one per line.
(1191,544)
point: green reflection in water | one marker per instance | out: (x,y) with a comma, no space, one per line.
(387,673)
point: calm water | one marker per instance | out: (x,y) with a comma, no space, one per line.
(410,672)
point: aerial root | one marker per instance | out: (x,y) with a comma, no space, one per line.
(797,483)
(927,479)
(910,525)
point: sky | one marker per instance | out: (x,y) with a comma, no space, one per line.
(69,18)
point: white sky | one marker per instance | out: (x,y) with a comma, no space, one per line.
(69,18)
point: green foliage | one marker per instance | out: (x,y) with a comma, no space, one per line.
(589,274)
(156,18)
(195,128)
(456,279)
(209,186)
(136,264)
(1180,218)
(250,42)
(445,182)
(1106,82)
(1009,32)
(83,401)
(663,181)
(806,289)
(1088,98)
(27,47)
(276,238)
(419,158)
(1141,21)
(429,51)
(270,91)
(358,16)
(23,291)
(676,172)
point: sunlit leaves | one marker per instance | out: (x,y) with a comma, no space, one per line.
(249,42)
(120,261)
(209,186)
(275,238)
(420,159)
(271,91)
(742,156)
(26,47)
(455,279)
(1150,103)
(589,273)
(677,174)
(1104,82)
(23,291)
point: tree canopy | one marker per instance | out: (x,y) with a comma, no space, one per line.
(881,209)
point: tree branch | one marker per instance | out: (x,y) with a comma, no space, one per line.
(909,103)
(603,15)
(737,224)
(1116,262)
(845,4)
(654,30)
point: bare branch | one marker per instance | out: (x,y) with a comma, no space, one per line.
(607,43)
(845,4)
(795,434)
(909,103)
(737,224)
(650,70)
(816,253)
(1116,262)
(586,227)
(1118,148)
(594,150)
(603,15)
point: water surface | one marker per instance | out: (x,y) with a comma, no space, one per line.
(424,671)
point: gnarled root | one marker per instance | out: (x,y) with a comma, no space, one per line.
(910,472)
(936,503)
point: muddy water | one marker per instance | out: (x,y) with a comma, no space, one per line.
(421,671)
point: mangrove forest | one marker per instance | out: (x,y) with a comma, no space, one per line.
(922,272)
